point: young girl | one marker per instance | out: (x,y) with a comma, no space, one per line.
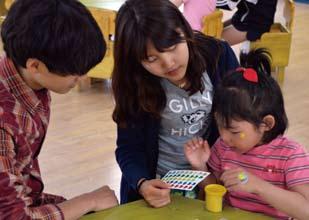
(163,85)
(195,10)
(262,170)
(250,21)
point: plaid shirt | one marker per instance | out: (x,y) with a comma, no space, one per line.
(24,117)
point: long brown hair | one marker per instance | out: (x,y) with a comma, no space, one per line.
(137,91)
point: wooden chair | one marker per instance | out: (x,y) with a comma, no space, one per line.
(212,24)
(3,11)
(278,41)
(8,3)
(106,21)
(4,7)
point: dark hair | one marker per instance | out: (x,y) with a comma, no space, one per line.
(60,33)
(136,90)
(239,99)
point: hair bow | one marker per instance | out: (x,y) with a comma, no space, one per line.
(249,74)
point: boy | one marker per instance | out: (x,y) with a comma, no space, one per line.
(49,44)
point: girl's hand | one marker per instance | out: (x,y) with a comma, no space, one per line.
(155,192)
(197,152)
(238,179)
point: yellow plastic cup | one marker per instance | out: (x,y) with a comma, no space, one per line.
(214,194)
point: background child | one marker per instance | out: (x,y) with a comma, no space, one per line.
(195,10)
(262,170)
(49,44)
(250,21)
(163,82)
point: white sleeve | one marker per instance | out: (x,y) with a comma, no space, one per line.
(253,1)
(228,4)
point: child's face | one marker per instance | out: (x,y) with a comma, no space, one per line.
(170,64)
(56,83)
(242,135)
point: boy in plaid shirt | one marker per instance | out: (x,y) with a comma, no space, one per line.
(48,45)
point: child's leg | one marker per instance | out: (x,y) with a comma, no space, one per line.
(227,23)
(233,36)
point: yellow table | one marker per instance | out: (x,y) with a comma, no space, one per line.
(180,209)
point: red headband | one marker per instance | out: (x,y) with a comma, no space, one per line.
(249,74)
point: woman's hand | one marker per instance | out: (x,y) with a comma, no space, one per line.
(155,192)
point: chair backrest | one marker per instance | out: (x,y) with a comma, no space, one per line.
(212,24)
(106,21)
(3,9)
(288,14)
(8,3)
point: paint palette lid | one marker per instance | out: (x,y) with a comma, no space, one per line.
(184,179)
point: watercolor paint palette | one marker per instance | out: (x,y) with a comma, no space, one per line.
(184,179)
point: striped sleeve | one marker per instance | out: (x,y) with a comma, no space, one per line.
(297,167)
(14,201)
(214,161)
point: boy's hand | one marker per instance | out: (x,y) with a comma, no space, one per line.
(103,198)
(237,179)
(155,192)
(197,152)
